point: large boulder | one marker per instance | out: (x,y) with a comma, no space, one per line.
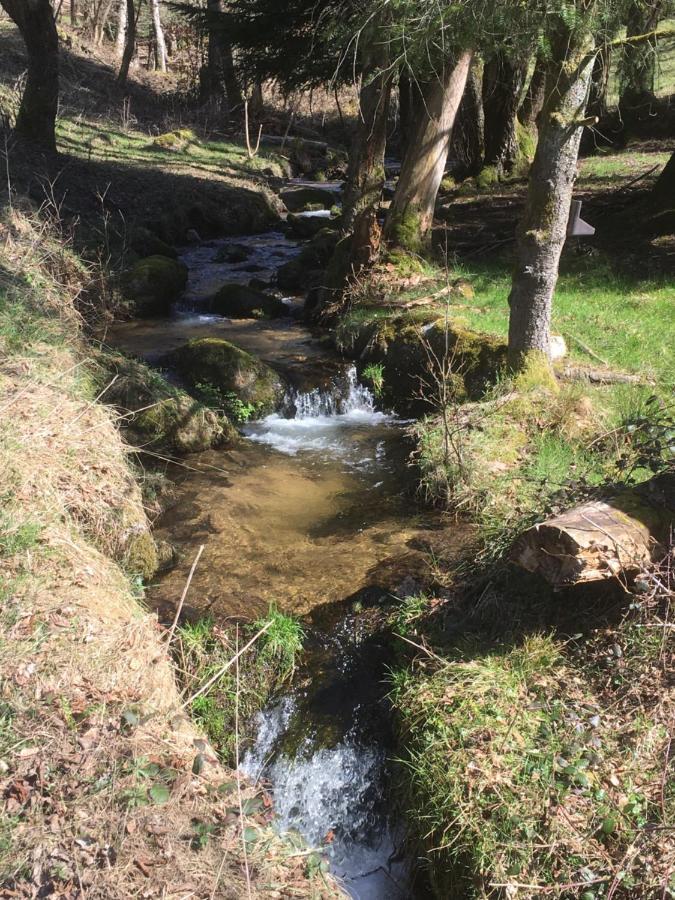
(228,377)
(156,414)
(152,284)
(143,242)
(298,198)
(238,301)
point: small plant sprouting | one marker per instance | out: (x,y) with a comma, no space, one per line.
(282,641)
(373,375)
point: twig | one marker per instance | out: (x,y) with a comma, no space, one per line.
(172,631)
(587,349)
(424,649)
(236,752)
(221,671)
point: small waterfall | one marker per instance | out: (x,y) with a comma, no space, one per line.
(345,396)
(333,797)
(323,420)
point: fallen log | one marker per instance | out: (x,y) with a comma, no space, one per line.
(601,539)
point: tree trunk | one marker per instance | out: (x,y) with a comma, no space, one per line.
(409,97)
(638,62)
(534,98)
(543,228)
(129,44)
(36,120)
(600,540)
(158,32)
(121,36)
(663,192)
(503,81)
(73,13)
(366,177)
(412,210)
(103,14)
(468,135)
(220,83)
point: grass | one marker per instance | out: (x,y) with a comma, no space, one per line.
(107,141)
(525,775)
(205,647)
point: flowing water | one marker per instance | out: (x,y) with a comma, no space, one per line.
(314,512)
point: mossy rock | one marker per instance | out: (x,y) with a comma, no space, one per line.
(399,344)
(176,141)
(298,199)
(239,301)
(143,242)
(158,415)
(140,558)
(306,227)
(153,284)
(220,370)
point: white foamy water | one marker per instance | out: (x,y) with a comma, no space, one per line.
(324,421)
(333,798)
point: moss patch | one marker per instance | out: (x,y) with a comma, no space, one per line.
(218,370)
(153,284)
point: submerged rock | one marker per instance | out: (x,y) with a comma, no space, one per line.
(241,302)
(223,373)
(153,284)
(157,414)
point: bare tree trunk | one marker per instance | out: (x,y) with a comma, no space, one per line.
(638,61)
(160,43)
(543,228)
(36,121)
(121,37)
(663,192)
(534,98)
(129,45)
(73,13)
(503,81)
(257,102)
(408,96)
(103,14)
(468,135)
(220,81)
(412,210)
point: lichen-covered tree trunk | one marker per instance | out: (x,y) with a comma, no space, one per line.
(36,121)
(158,32)
(121,36)
(129,44)
(503,82)
(637,66)
(468,134)
(412,210)
(542,230)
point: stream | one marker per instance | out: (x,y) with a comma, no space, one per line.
(314,511)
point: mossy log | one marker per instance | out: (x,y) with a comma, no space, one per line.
(600,539)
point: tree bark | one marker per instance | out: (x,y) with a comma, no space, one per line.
(36,121)
(503,81)
(542,230)
(129,44)
(101,20)
(600,540)
(366,177)
(158,31)
(73,13)
(412,211)
(220,82)
(638,61)
(121,36)
(468,134)
(534,98)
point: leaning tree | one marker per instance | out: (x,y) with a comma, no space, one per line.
(36,121)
